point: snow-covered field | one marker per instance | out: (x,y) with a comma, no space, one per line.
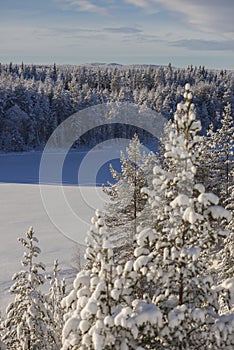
(22,206)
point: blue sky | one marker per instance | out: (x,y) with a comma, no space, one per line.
(183,32)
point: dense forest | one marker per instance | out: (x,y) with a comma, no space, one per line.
(35,99)
(158,270)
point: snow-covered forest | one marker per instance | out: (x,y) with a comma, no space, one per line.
(158,271)
(35,99)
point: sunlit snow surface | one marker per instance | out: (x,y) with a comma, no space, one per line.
(21,206)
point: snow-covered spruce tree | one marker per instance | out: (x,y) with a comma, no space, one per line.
(79,296)
(226,141)
(107,298)
(125,199)
(229,171)
(226,254)
(174,251)
(218,155)
(73,304)
(225,274)
(27,324)
(53,303)
(227,257)
(94,301)
(223,172)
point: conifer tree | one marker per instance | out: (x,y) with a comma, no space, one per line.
(218,155)
(126,200)
(53,303)
(226,140)
(94,303)
(225,273)
(173,252)
(225,270)
(79,296)
(226,254)
(104,301)
(78,322)
(28,322)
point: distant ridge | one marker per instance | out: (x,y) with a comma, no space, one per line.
(114,64)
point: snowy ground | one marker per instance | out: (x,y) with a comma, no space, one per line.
(21,206)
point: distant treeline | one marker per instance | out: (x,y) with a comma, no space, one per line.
(35,99)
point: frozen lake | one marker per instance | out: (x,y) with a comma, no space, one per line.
(23,168)
(58,229)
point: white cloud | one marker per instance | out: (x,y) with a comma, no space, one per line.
(139,3)
(85,6)
(214,16)
(209,16)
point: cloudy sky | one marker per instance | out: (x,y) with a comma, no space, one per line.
(183,32)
